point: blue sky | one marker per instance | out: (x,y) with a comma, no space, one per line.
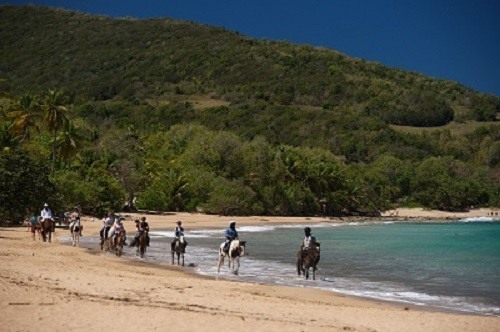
(458,40)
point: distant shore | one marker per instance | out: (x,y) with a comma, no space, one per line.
(196,220)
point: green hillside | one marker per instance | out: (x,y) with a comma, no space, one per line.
(143,92)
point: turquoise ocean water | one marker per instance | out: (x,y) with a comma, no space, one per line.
(445,265)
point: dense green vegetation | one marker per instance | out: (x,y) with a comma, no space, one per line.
(193,118)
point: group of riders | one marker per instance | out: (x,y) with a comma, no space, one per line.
(113,227)
(46,214)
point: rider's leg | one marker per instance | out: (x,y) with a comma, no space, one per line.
(136,237)
(227,244)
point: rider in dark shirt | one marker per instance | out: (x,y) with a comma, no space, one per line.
(142,226)
(178,232)
(231,234)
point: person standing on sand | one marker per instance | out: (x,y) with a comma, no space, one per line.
(33,220)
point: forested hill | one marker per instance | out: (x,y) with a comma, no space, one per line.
(95,111)
(102,58)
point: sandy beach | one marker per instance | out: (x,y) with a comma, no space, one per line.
(58,287)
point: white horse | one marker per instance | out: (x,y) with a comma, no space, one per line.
(75,232)
(236,250)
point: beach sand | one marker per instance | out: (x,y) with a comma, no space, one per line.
(58,287)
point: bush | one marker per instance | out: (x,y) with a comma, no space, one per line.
(24,187)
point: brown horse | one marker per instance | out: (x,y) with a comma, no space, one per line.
(47,227)
(307,259)
(142,244)
(119,242)
(179,249)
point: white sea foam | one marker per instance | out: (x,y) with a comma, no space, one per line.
(190,234)
(256,229)
(480,219)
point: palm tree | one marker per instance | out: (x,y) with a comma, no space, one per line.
(67,140)
(8,140)
(55,117)
(25,114)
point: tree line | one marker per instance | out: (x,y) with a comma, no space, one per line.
(51,154)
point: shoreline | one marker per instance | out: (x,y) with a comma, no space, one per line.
(57,284)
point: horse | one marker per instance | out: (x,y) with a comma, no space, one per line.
(179,249)
(307,259)
(119,242)
(105,241)
(47,226)
(75,235)
(236,250)
(142,243)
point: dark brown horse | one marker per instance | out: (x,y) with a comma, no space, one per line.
(47,227)
(142,244)
(179,249)
(307,259)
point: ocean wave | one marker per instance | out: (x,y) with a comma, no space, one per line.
(480,219)
(256,229)
(190,234)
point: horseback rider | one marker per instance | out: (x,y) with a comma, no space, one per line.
(178,232)
(142,226)
(107,224)
(231,234)
(118,229)
(309,242)
(75,221)
(46,213)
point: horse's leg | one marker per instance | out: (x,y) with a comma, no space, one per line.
(173,257)
(221,261)
(314,273)
(182,254)
(237,260)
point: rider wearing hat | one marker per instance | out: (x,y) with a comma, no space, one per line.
(46,213)
(231,234)
(178,232)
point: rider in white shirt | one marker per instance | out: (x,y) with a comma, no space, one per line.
(46,213)
(107,224)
